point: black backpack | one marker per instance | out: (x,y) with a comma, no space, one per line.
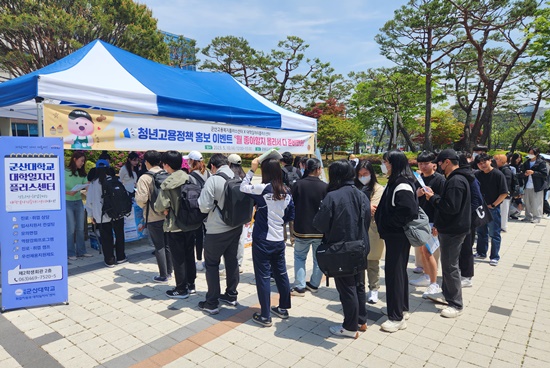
(117,202)
(515,188)
(158,178)
(237,208)
(189,213)
(292,176)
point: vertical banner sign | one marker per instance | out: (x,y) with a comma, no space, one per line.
(32,210)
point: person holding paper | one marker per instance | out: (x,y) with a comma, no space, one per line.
(75,175)
(428,177)
(452,221)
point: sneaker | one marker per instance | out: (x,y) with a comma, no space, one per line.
(199,265)
(373,297)
(228,299)
(451,312)
(438,298)
(477,255)
(279,312)
(72,258)
(466,282)
(86,255)
(296,291)
(431,289)
(514,217)
(160,280)
(535,221)
(210,310)
(124,260)
(191,289)
(311,288)
(108,265)
(423,280)
(393,326)
(493,262)
(418,270)
(175,294)
(266,322)
(406,315)
(341,331)
(362,327)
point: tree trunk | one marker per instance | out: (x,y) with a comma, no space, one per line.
(528,125)
(406,134)
(393,141)
(380,139)
(428,146)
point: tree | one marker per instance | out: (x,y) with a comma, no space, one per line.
(446,129)
(491,28)
(419,37)
(334,131)
(37,33)
(183,52)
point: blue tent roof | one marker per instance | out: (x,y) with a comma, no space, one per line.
(103,76)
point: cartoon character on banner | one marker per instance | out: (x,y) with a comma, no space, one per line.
(81,127)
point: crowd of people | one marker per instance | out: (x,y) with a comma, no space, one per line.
(450,187)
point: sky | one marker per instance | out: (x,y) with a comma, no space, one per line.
(340,32)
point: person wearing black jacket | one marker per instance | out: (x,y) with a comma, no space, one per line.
(397,207)
(290,176)
(534,174)
(452,224)
(339,220)
(307,194)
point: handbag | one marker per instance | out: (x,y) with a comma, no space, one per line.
(418,231)
(481,215)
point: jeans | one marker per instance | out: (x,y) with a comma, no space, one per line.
(301,249)
(75,225)
(450,252)
(491,229)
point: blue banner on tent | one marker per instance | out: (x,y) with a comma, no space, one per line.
(32,209)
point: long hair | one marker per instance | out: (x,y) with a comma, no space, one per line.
(272,173)
(311,165)
(237,170)
(131,156)
(399,166)
(367,165)
(339,173)
(197,165)
(72,166)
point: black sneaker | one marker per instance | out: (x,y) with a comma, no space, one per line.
(296,291)
(311,288)
(279,312)
(228,299)
(191,288)
(175,294)
(266,322)
(210,310)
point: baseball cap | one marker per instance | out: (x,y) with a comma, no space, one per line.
(446,154)
(194,155)
(102,163)
(234,159)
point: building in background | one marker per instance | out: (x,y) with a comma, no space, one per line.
(183,51)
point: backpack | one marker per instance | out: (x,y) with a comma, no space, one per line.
(515,188)
(189,213)
(480,212)
(117,202)
(418,231)
(158,178)
(238,206)
(292,175)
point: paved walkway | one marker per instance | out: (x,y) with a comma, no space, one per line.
(119,318)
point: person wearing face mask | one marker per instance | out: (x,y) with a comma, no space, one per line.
(365,180)
(534,173)
(307,194)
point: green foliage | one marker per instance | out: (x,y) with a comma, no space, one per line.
(183,52)
(38,33)
(335,131)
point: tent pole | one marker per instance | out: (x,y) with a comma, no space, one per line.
(40,115)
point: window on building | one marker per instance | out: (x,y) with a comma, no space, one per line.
(24,130)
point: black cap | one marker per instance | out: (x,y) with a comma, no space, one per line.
(446,154)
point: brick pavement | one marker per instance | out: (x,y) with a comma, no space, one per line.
(119,318)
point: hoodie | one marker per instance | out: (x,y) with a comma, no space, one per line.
(453,208)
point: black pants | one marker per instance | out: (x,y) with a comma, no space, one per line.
(545,204)
(162,249)
(450,251)
(353,298)
(466,257)
(215,246)
(111,245)
(183,258)
(199,242)
(397,280)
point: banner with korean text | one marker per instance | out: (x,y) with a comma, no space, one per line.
(106,130)
(33,239)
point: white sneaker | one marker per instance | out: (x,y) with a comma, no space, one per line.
(466,282)
(406,315)
(341,331)
(418,270)
(199,265)
(423,280)
(394,326)
(431,290)
(373,297)
(451,312)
